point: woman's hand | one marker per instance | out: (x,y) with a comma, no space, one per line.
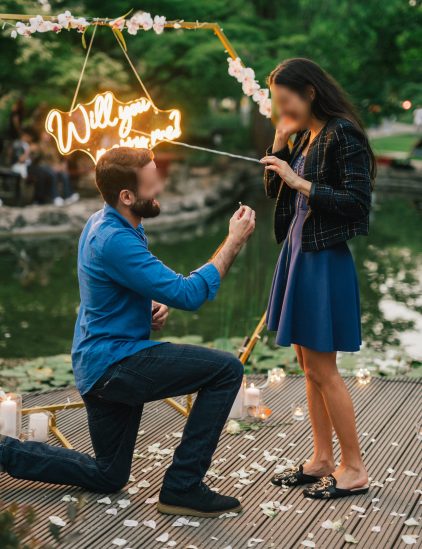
(160,313)
(286,173)
(284,129)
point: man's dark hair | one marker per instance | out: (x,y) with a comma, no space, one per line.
(117,169)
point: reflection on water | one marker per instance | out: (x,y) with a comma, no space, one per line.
(39,291)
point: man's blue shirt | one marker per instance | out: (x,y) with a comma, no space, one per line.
(118,279)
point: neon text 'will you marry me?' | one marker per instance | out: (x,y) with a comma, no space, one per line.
(105,123)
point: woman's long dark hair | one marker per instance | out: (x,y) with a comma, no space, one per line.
(330,100)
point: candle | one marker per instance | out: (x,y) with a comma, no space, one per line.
(252,395)
(38,427)
(298,412)
(8,415)
(363,376)
(237,410)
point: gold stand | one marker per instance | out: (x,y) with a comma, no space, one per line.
(52,409)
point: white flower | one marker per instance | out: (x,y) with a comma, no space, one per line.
(261,95)
(249,85)
(79,23)
(145,20)
(36,22)
(233,427)
(235,68)
(57,520)
(132,25)
(23,29)
(159,22)
(64,19)
(265,107)
(118,24)
(13,34)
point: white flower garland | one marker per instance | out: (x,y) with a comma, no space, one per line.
(141,20)
(144,21)
(250,86)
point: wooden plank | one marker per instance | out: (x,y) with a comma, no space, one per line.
(386,411)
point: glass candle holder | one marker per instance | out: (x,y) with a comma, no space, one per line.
(38,427)
(11,415)
(363,376)
(260,412)
(276,376)
(298,411)
(238,409)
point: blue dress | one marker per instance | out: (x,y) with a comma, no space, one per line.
(314,298)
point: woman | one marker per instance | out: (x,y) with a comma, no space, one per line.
(323,191)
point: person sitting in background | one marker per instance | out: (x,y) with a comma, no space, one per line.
(21,152)
(53,167)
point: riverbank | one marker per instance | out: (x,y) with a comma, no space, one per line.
(205,194)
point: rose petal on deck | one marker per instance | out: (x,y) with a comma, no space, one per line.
(130,523)
(150,524)
(163,538)
(120,542)
(105,500)
(57,521)
(123,503)
(409,539)
(411,522)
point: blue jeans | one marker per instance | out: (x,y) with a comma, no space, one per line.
(114,407)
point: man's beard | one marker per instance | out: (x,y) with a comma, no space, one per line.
(146,208)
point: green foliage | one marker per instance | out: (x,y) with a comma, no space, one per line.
(372,48)
(16,522)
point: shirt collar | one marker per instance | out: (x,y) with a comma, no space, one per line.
(109,211)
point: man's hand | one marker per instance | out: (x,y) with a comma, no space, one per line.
(160,313)
(242,225)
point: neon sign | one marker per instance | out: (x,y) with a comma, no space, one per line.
(105,123)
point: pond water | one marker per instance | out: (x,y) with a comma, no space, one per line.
(39,290)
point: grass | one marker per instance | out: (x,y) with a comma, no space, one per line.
(394,143)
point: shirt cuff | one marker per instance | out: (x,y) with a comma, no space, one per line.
(210,274)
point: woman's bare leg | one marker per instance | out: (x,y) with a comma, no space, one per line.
(321,371)
(322,460)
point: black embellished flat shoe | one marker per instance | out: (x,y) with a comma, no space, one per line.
(293,476)
(326,488)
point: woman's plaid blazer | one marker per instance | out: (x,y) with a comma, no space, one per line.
(337,165)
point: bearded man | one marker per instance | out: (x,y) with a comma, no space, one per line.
(125,292)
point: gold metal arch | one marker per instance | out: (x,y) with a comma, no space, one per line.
(175,25)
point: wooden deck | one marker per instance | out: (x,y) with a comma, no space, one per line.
(387,411)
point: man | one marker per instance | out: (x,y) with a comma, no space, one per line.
(125,291)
